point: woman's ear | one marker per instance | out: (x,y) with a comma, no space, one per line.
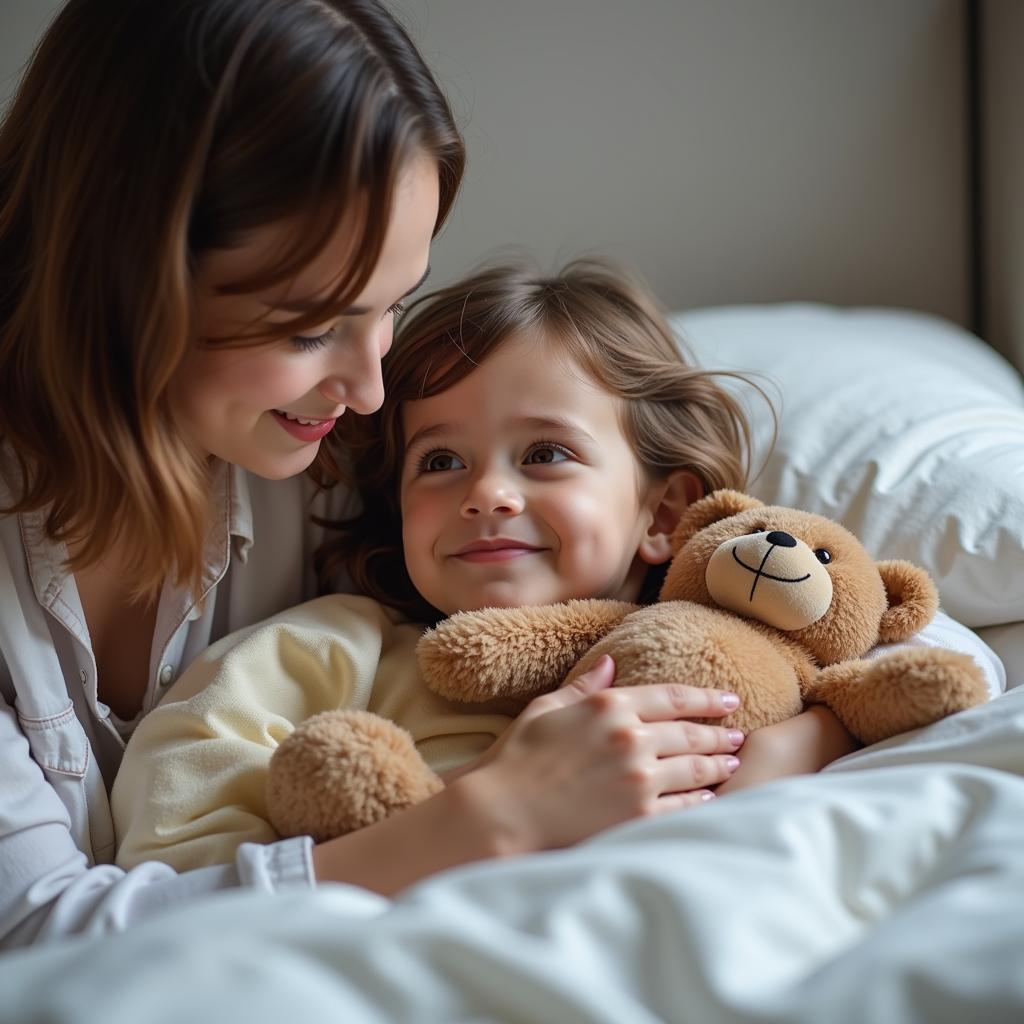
(669,499)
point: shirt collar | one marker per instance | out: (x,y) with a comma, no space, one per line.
(239,509)
(47,559)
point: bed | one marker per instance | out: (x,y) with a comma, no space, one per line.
(883,889)
(782,906)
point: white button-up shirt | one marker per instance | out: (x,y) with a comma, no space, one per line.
(60,746)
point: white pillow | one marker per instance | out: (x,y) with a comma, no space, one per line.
(902,426)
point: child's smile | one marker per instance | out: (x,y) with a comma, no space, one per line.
(496,549)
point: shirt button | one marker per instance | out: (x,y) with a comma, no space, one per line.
(84,676)
(166,675)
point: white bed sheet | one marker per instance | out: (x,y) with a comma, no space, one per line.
(887,889)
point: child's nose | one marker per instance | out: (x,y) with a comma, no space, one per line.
(490,496)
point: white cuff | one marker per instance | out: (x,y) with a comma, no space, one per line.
(287,864)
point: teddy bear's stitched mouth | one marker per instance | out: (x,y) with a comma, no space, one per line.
(760,574)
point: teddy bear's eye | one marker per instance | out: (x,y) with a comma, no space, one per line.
(756,529)
(823,556)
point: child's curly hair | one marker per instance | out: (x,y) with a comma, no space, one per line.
(677,416)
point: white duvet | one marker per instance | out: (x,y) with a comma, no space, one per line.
(887,889)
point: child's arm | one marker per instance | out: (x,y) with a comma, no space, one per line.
(797,746)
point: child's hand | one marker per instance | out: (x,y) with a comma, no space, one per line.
(797,746)
(587,757)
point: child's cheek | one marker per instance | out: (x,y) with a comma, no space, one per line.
(597,535)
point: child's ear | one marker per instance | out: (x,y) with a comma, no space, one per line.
(668,500)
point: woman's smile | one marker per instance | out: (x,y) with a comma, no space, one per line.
(306,430)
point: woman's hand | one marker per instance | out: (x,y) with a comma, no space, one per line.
(587,757)
(797,746)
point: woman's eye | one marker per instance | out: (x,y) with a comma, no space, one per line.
(440,462)
(543,454)
(309,342)
(396,310)
(823,556)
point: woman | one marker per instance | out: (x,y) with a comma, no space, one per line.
(210,211)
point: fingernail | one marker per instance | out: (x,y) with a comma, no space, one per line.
(730,701)
(706,796)
(732,763)
(735,737)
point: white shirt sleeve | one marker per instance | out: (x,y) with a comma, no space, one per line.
(48,891)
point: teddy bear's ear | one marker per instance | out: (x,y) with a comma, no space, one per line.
(710,509)
(913,600)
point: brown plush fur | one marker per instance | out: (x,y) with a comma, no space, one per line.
(673,642)
(370,760)
(515,652)
(797,604)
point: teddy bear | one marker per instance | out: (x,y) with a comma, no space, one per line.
(778,605)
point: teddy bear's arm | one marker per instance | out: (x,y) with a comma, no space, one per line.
(905,689)
(513,652)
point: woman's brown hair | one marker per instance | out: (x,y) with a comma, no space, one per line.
(676,415)
(143,134)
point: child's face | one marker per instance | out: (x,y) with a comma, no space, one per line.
(519,488)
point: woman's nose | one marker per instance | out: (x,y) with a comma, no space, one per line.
(492,496)
(355,379)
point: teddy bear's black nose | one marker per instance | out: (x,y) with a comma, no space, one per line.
(782,540)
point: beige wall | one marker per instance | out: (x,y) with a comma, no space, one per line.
(1003,28)
(731,150)
(21,24)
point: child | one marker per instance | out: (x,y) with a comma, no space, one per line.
(538,441)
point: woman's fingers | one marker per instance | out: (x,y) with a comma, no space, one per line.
(591,755)
(599,677)
(671,738)
(681,801)
(662,702)
(657,702)
(694,771)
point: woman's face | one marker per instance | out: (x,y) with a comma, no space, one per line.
(266,407)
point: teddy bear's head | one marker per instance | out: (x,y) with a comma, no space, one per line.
(801,573)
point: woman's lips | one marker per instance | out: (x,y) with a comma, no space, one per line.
(305,432)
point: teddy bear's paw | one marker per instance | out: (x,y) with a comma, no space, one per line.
(512,652)
(343,770)
(906,689)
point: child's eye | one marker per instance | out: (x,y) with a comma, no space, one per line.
(440,462)
(307,343)
(546,453)
(396,310)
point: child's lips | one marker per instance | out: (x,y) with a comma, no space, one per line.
(496,550)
